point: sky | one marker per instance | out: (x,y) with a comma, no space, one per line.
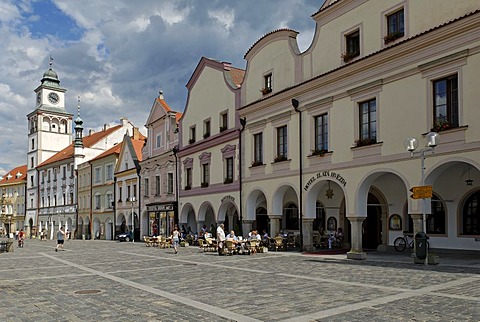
(117,55)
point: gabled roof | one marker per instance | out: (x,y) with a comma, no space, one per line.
(160,101)
(11,177)
(88,141)
(237,75)
(134,145)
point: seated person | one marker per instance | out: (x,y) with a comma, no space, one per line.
(232,236)
(339,235)
(255,235)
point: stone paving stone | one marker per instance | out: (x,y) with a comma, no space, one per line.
(36,285)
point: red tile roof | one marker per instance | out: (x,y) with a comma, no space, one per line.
(13,173)
(138,145)
(113,150)
(237,75)
(88,141)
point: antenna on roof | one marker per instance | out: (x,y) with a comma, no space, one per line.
(78,106)
(51,61)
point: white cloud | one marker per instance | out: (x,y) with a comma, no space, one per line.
(225,17)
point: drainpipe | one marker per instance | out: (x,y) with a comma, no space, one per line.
(176,208)
(295,105)
(243,122)
(114,235)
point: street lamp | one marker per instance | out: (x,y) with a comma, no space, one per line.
(132,200)
(411,145)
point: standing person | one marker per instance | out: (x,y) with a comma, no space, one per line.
(220,239)
(175,238)
(21,238)
(60,239)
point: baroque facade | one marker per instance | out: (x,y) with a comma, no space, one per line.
(12,202)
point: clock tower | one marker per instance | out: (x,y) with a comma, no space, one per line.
(49,131)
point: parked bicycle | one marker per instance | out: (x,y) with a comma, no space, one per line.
(407,240)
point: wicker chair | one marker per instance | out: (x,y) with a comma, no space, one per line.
(279,243)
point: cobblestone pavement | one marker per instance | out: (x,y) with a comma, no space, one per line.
(112,281)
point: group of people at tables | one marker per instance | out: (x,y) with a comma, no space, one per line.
(240,244)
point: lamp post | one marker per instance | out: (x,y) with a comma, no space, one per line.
(132,200)
(411,144)
(9,220)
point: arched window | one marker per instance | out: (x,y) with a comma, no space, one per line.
(319,221)
(471,215)
(436,220)
(291,216)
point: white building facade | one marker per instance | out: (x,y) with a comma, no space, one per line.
(209,155)
(325,129)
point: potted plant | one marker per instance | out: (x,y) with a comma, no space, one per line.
(191,141)
(256,163)
(319,152)
(392,36)
(206,135)
(280,158)
(439,126)
(348,56)
(364,141)
(204,184)
(222,128)
(265,91)
(228,180)
(188,187)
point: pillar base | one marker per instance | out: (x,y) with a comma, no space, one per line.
(308,248)
(356,255)
(433,259)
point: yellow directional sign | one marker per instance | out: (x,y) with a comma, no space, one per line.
(421,192)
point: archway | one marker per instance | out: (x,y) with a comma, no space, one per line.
(109,229)
(96,228)
(372,225)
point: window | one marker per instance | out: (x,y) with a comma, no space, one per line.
(109,172)
(32,164)
(31,181)
(135,191)
(321,133)
(188,179)
(97,201)
(258,149)
(395,26)
(445,103)
(352,46)
(48,176)
(129,192)
(192,135)
(120,194)
(282,148)
(33,144)
(146,187)
(436,220)
(267,84)
(64,172)
(109,200)
(205,175)
(471,215)
(206,129)
(229,170)
(71,197)
(170,183)
(157,185)
(368,123)
(97,174)
(159,140)
(223,121)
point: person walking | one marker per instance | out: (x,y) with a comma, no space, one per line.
(60,239)
(175,238)
(220,239)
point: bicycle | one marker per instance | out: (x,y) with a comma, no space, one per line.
(401,243)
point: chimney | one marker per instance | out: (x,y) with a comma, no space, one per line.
(136,133)
(105,127)
(90,132)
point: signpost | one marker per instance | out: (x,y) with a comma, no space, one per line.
(421,192)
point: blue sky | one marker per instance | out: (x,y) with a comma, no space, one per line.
(117,55)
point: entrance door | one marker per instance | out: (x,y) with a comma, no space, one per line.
(372,225)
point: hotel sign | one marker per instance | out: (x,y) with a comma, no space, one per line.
(327,175)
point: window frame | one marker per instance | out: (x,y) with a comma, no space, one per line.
(258,150)
(170,183)
(451,117)
(281,142)
(321,139)
(371,135)
(109,176)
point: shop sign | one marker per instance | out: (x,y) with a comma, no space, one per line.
(421,192)
(160,207)
(326,175)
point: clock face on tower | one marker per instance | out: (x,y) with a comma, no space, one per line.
(53,98)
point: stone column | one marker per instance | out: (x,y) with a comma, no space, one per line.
(275,225)
(356,251)
(230,223)
(246,226)
(307,234)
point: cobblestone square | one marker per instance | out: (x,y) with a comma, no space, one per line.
(112,281)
